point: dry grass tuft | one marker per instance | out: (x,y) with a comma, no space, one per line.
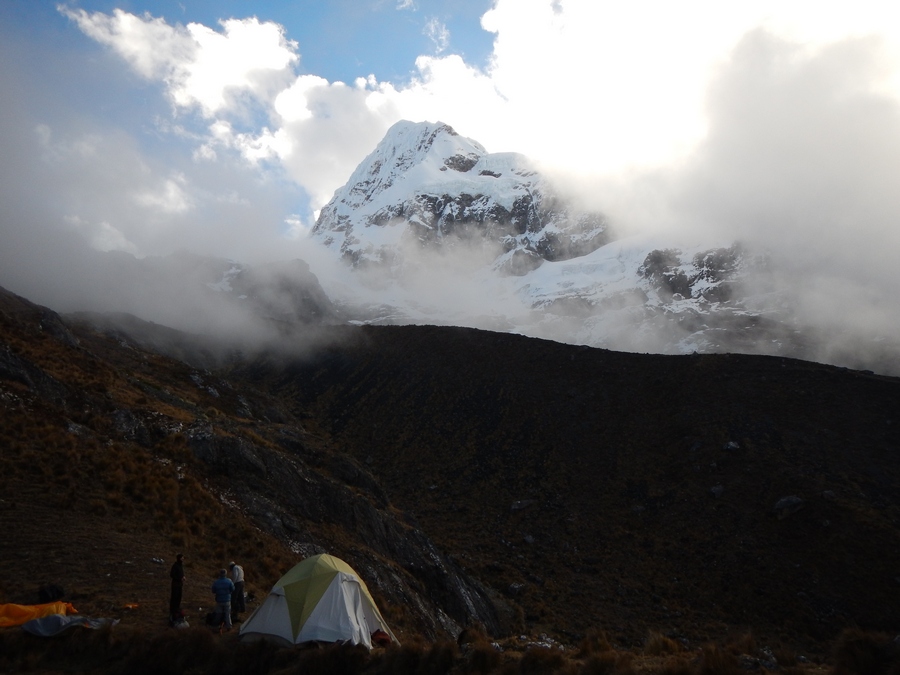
(741,643)
(658,644)
(178,651)
(134,649)
(785,656)
(594,642)
(440,658)
(541,660)
(608,663)
(483,659)
(326,660)
(676,666)
(859,652)
(412,660)
(714,660)
(472,635)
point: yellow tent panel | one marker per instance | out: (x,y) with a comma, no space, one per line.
(16,615)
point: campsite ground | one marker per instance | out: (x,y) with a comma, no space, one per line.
(108,567)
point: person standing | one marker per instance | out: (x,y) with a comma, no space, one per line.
(237,598)
(223,588)
(176,573)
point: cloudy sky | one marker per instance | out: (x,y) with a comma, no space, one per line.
(148,126)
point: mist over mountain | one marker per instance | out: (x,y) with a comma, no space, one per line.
(433,229)
(746,203)
(230,304)
(436,230)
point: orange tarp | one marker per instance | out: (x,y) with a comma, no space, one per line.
(16,615)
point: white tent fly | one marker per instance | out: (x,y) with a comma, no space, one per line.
(321,599)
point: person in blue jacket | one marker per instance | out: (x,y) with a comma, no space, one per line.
(223,588)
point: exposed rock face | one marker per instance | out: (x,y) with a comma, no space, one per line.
(426,184)
(282,490)
(628,295)
(15,369)
(708,276)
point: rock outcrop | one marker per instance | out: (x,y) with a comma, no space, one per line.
(284,489)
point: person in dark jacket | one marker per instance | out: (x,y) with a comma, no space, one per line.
(177,576)
(223,588)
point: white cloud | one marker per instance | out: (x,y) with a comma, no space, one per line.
(205,153)
(800,160)
(450,90)
(600,86)
(777,122)
(601,89)
(151,46)
(344,124)
(245,56)
(169,197)
(802,152)
(296,227)
(437,32)
(101,236)
(200,66)
(292,104)
(103,187)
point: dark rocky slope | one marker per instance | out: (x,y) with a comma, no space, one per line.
(693,495)
(141,455)
(522,484)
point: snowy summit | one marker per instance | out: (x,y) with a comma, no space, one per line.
(425,184)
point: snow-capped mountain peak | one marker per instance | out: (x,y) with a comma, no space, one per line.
(547,268)
(408,152)
(425,183)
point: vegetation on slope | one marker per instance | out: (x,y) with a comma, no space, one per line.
(578,485)
(637,492)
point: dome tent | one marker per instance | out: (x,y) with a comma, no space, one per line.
(321,599)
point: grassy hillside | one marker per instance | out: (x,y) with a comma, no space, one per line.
(617,511)
(87,505)
(636,492)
